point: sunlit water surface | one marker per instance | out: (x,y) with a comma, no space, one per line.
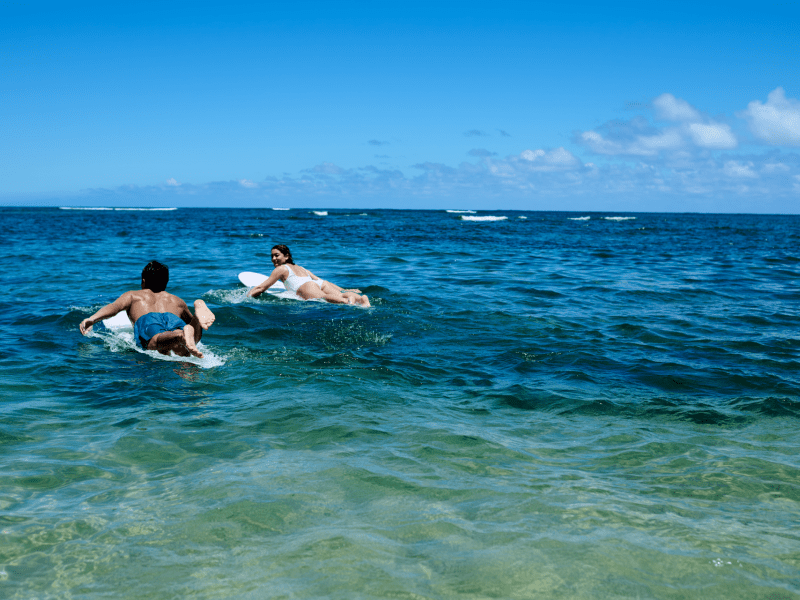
(546,405)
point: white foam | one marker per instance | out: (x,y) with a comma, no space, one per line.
(285,294)
(121,340)
(112,208)
(522,217)
(618,218)
(235,296)
(85,208)
(239,295)
(274,208)
(487,218)
(461,211)
(149,209)
(578,218)
(320,213)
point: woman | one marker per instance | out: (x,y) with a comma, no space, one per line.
(303,282)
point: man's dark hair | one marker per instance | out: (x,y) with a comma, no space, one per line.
(155,276)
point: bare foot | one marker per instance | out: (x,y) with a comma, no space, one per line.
(178,349)
(169,341)
(188,337)
(365,302)
(204,316)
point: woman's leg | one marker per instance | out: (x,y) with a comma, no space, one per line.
(354,298)
(311,291)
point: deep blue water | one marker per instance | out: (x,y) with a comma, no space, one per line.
(545,406)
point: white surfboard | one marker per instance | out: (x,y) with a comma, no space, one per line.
(118,321)
(251,279)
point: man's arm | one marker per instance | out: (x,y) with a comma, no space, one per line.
(186,314)
(109,310)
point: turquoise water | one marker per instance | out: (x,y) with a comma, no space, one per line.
(539,407)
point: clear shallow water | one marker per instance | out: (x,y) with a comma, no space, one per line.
(534,408)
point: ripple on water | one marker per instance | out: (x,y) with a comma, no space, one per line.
(594,414)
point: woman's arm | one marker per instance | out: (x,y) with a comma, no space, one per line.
(270,281)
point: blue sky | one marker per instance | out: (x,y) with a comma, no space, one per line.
(679,106)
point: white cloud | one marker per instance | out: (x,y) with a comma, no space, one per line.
(531,155)
(776,122)
(558,159)
(677,159)
(640,138)
(534,179)
(637,145)
(736,169)
(716,136)
(646,145)
(771,168)
(670,108)
(597,143)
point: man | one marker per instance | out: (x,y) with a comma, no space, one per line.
(161,321)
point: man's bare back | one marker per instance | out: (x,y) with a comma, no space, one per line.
(169,334)
(140,302)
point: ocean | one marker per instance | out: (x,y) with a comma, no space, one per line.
(542,405)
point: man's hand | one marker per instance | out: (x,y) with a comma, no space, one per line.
(86,326)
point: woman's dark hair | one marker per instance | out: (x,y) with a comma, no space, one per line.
(284,249)
(155,276)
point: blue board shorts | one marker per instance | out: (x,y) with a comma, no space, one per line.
(154,323)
